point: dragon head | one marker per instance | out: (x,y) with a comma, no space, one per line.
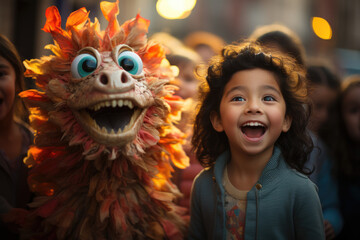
(108,94)
(112,83)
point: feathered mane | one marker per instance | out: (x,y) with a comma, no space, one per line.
(91,190)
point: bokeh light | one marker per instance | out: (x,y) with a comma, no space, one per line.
(175,9)
(321,28)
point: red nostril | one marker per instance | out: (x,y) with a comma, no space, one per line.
(124,78)
(104,80)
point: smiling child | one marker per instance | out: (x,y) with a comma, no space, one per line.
(250,135)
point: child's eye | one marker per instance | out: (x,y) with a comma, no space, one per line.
(269,98)
(237,99)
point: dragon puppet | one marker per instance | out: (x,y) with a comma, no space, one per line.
(106,140)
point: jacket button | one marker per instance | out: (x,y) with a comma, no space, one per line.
(258,186)
(214,179)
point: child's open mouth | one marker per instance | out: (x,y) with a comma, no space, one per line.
(253,130)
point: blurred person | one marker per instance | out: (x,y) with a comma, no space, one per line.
(206,44)
(324,87)
(186,60)
(345,143)
(15,138)
(280,38)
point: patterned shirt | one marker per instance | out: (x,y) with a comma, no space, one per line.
(235,207)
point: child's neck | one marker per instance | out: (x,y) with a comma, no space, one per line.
(244,170)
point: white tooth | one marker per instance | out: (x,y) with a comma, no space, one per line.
(108,103)
(253,124)
(120,103)
(112,131)
(126,103)
(130,104)
(103,129)
(93,122)
(102,104)
(114,103)
(119,131)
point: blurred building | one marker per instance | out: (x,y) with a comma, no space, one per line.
(22,20)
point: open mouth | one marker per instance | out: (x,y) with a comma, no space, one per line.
(253,129)
(112,116)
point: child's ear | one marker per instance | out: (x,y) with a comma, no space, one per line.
(287,123)
(216,121)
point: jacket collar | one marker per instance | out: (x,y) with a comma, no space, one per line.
(274,162)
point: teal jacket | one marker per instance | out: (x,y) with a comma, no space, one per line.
(284,204)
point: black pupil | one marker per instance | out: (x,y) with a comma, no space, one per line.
(127,64)
(89,65)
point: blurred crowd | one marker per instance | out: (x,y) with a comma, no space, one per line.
(334,124)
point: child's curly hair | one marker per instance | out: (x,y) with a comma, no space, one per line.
(295,144)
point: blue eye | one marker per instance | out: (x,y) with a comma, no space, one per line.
(269,98)
(130,62)
(238,99)
(83,65)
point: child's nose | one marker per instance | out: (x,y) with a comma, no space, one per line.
(253,107)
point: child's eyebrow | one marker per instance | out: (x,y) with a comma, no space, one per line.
(269,87)
(242,88)
(239,88)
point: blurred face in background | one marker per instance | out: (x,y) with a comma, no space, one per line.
(188,83)
(322,97)
(351,113)
(7,88)
(205,52)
